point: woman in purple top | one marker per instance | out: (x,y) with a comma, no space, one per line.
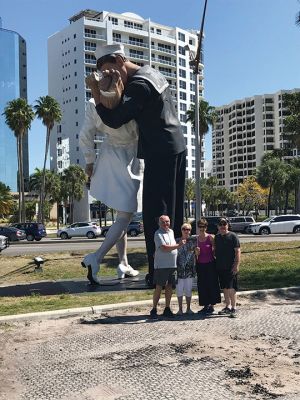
(207,278)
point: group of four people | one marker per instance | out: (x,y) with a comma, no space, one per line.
(177,260)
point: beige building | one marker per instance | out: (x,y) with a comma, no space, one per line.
(246,129)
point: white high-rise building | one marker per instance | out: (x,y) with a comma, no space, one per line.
(71,56)
(246,129)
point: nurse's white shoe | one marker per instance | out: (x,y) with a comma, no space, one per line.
(90,262)
(123,270)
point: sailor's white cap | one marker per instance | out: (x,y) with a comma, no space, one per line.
(105,50)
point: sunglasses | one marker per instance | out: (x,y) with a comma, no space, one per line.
(185,229)
(222,224)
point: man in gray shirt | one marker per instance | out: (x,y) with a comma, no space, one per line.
(164,264)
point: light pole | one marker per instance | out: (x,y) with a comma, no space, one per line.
(195,64)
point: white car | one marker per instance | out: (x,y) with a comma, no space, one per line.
(80,229)
(289,223)
(3,242)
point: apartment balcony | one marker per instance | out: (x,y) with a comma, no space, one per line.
(132,43)
(163,50)
(94,36)
(163,62)
(89,61)
(137,56)
(169,74)
(90,48)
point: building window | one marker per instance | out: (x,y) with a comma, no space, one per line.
(113,20)
(181,50)
(183,118)
(181,36)
(158,31)
(117,37)
(182,62)
(183,107)
(182,73)
(128,24)
(182,96)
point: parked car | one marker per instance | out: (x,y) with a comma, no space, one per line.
(80,229)
(34,230)
(135,228)
(289,223)
(212,226)
(3,242)
(241,224)
(13,234)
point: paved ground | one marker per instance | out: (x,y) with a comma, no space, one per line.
(125,356)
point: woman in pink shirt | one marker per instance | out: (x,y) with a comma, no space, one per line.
(207,278)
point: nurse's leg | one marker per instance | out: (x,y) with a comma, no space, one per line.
(92,260)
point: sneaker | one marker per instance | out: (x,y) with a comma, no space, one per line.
(153,314)
(189,312)
(210,310)
(232,313)
(225,311)
(203,310)
(168,313)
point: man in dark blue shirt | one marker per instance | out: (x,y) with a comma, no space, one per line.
(228,254)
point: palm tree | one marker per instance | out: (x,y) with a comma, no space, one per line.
(18,117)
(189,193)
(6,200)
(73,180)
(207,118)
(48,110)
(271,174)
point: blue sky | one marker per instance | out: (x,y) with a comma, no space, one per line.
(251,46)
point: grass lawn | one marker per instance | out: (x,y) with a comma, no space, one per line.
(263,266)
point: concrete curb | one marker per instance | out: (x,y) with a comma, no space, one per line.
(99,309)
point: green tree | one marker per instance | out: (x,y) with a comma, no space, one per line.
(251,196)
(19,116)
(189,193)
(6,200)
(291,102)
(74,178)
(48,110)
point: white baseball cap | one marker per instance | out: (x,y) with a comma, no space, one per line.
(105,50)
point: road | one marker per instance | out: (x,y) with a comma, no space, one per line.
(56,245)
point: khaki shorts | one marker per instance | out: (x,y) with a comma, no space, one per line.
(163,276)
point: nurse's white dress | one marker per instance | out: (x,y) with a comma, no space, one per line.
(118,174)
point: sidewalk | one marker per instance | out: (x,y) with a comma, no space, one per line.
(121,355)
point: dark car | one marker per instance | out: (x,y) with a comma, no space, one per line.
(13,234)
(135,228)
(212,226)
(33,230)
